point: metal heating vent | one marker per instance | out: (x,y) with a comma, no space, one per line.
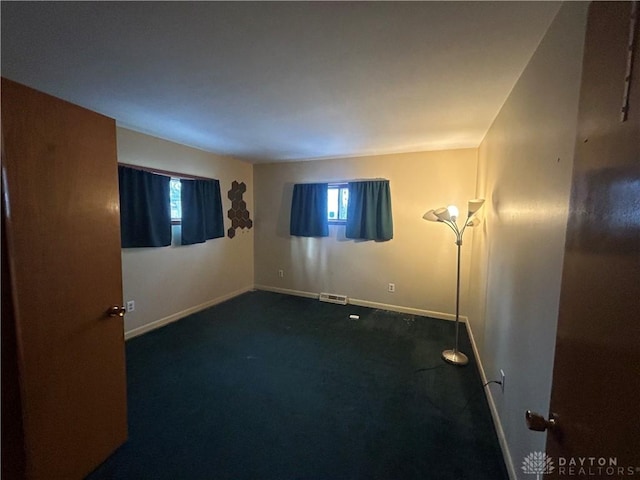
(333,298)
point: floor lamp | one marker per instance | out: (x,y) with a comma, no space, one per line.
(449,216)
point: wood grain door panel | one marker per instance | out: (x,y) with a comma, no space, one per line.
(63,228)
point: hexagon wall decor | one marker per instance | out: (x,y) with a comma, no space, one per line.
(238,213)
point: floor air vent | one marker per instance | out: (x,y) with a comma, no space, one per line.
(333,298)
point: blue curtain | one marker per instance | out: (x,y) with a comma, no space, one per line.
(369,211)
(145,219)
(202,217)
(309,210)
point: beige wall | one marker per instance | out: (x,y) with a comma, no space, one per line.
(524,172)
(170,282)
(421,257)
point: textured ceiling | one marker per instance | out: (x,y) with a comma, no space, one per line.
(276,81)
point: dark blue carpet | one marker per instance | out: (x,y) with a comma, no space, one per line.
(276,387)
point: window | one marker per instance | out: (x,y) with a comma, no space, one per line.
(363,207)
(337,199)
(152,201)
(175,200)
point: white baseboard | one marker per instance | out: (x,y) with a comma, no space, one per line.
(411,311)
(184,313)
(287,291)
(367,303)
(506,454)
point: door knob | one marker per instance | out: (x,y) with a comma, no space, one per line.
(538,423)
(117,311)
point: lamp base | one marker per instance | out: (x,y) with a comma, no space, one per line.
(455,358)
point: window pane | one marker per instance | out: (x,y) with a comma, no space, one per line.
(174,195)
(344,199)
(332,203)
(337,198)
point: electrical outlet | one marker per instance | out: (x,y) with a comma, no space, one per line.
(502,376)
(392,287)
(131,305)
(281,273)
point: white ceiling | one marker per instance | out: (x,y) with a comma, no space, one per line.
(277,81)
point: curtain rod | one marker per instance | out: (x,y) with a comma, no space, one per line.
(338,182)
(186,176)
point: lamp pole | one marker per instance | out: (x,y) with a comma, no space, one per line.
(455,356)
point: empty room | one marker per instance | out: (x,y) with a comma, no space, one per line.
(320,240)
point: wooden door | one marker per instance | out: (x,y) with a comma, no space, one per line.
(63,243)
(596,378)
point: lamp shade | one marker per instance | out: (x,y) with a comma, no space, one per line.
(453,212)
(475,205)
(443,214)
(430,216)
(473,222)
